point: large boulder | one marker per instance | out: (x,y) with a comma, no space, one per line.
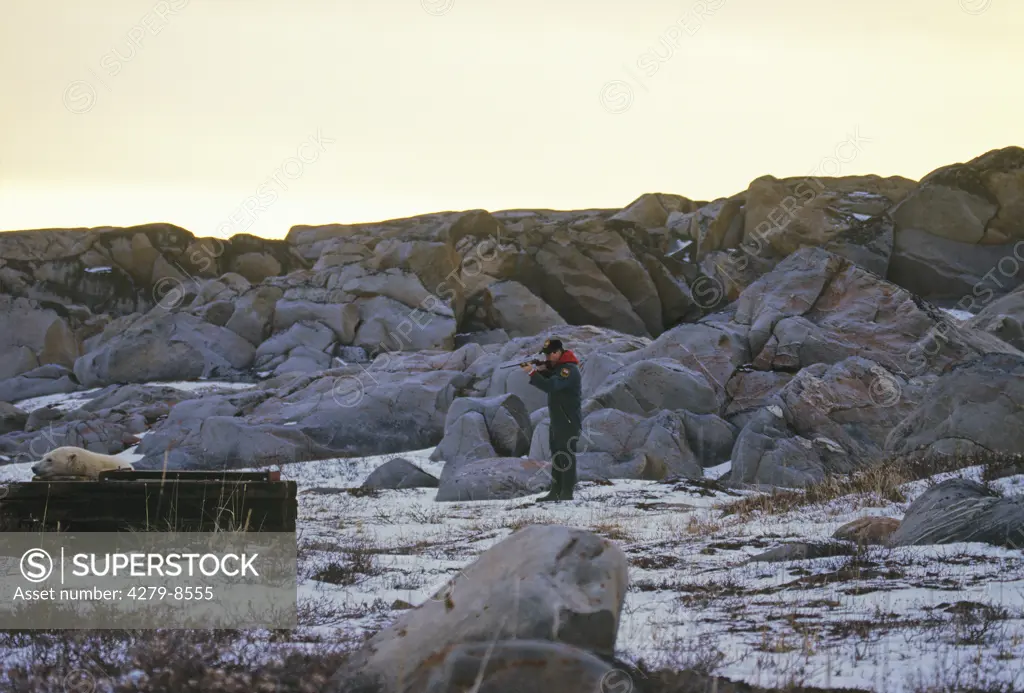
(648,386)
(768,452)
(498,478)
(38,382)
(32,335)
(816,307)
(785,215)
(253,316)
(399,473)
(978,404)
(547,583)
(574,285)
(827,419)
(386,325)
(510,306)
(959,229)
(12,419)
(616,444)
(493,427)
(342,318)
(1003,318)
(313,341)
(164,346)
(961,510)
(343,413)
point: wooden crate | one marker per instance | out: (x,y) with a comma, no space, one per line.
(154,502)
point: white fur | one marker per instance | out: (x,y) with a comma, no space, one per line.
(72,461)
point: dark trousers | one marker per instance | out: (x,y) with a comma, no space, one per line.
(563,464)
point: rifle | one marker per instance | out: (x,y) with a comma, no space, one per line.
(535,363)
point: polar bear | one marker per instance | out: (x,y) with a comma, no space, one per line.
(72,461)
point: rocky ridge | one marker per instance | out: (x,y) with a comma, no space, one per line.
(790,329)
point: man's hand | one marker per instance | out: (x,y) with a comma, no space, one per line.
(528,367)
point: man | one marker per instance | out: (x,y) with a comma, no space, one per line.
(560,379)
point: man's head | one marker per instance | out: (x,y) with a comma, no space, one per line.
(553,350)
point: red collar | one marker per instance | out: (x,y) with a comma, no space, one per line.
(568,357)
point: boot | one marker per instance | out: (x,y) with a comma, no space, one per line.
(555,492)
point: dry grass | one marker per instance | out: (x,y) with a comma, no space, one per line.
(179,661)
(880,485)
(875,486)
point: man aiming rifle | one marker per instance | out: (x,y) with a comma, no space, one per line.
(559,376)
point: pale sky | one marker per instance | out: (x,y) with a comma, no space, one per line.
(464,104)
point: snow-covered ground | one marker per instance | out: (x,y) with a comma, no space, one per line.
(69,402)
(890,620)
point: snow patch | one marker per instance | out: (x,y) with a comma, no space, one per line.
(62,402)
(960,315)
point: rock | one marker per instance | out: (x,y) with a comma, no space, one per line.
(17,360)
(341,318)
(816,307)
(939,268)
(42,417)
(648,386)
(574,285)
(662,438)
(368,412)
(98,435)
(980,402)
(399,473)
(12,419)
(402,287)
(1003,318)
(256,267)
(435,263)
(954,200)
(31,335)
(164,346)
(465,439)
(497,478)
(486,338)
(548,583)
(677,302)
(310,336)
(513,666)
(714,350)
(959,228)
(184,421)
(715,226)
(950,213)
(847,411)
(38,382)
(768,452)
(650,210)
(387,325)
(253,316)
(627,273)
(501,428)
(511,307)
(230,442)
(709,437)
(785,215)
(867,531)
(801,551)
(961,510)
